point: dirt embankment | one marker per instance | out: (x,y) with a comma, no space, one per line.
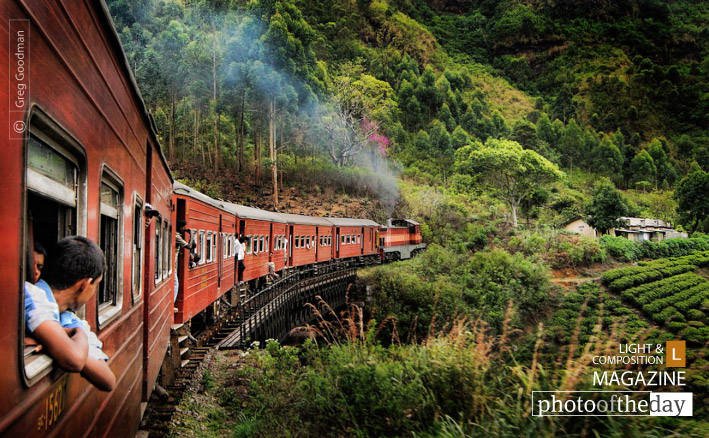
(243,189)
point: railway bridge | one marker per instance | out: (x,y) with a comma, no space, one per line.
(274,310)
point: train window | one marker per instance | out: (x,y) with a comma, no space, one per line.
(249,244)
(261,247)
(202,247)
(359,237)
(166,240)
(137,255)
(266,245)
(110,297)
(208,247)
(170,249)
(158,252)
(54,209)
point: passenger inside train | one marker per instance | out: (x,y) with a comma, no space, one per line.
(38,260)
(71,275)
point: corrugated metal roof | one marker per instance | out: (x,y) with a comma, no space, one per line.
(182,189)
(349,222)
(245,212)
(645,222)
(299,219)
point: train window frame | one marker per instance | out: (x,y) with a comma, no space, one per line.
(158,251)
(35,366)
(109,310)
(170,249)
(202,246)
(267,246)
(208,248)
(166,240)
(137,250)
(249,244)
(194,236)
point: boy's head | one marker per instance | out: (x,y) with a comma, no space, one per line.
(39,255)
(75,261)
(181,224)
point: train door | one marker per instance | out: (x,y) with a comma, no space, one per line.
(337,242)
(317,243)
(181,275)
(220,252)
(361,239)
(268,245)
(291,244)
(241,232)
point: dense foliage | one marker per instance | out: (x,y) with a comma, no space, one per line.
(401,85)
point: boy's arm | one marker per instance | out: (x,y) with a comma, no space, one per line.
(99,374)
(68,347)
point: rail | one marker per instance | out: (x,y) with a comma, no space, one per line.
(273,311)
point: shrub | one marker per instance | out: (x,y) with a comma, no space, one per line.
(621,248)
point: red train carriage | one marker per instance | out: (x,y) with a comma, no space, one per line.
(354,237)
(401,239)
(80,158)
(303,232)
(202,283)
(264,233)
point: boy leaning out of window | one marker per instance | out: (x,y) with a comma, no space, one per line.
(71,275)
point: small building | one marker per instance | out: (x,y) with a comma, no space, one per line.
(580,226)
(640,229)
(635,228)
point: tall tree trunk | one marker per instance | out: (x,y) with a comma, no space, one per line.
(171,143)
(217,151)
(272,150)
(257,152)
(240,132)
(195,133)
(513,206)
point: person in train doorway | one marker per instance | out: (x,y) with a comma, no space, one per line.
(180,244)
(39,255)
(240,249)
(71,275)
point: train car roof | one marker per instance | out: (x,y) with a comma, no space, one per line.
(115,41)
(182,189)
(350,222)
(245,212)
(299,219)
(402,222)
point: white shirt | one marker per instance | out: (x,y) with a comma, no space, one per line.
(239,250)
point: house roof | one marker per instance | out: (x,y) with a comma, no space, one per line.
(573,219)
(646,222)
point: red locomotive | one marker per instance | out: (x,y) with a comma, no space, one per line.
(401,239)
(82,157)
